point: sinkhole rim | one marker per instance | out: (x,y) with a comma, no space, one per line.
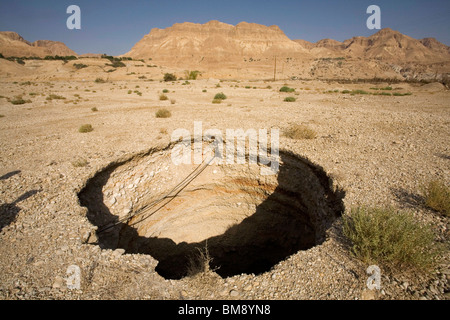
(331,208)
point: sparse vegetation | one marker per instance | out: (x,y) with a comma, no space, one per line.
(94,109)
(79,163)
(287,89)
(220,96)
(217,101)
(290,99)
(437,196)
(398,94)
(165,91)
(390,238)
(163,97)
(163,113)
(54,97)
(19,100)
(192,75)
(200,262)
(299,132)
(169,77)
(99,80)
(85,128)
(79,66)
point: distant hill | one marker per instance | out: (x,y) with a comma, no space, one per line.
(12,44)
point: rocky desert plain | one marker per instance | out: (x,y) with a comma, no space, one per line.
(379,110)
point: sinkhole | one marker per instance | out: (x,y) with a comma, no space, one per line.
(246,221)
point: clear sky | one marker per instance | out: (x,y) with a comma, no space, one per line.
(113,27)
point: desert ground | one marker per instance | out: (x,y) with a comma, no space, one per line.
(378,149)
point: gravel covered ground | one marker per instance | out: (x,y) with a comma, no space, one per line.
(379,149)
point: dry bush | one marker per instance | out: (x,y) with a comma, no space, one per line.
(390,238)
(437,196)
(299,132)
(163,113)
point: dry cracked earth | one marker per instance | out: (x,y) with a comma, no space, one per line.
(58,186)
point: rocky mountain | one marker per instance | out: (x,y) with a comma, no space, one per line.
(12,44)
(214,42)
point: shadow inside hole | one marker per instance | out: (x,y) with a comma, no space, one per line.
(294,217)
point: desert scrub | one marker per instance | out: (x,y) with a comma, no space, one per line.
(130,92)
(398,94)
(191,75)
(163,97)
(299,132)
(79,66)
(217,101)
(100,80)
(94,109)
(54,97)
(437,196)
(79,163)
(287,89)
(220,96)
(165,91)
(85,128)
(169,77)
(390,238)
(163,113)
(19,100)
(289,99)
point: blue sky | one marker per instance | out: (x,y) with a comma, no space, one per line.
(113,27)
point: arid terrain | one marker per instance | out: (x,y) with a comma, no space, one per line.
(375,150)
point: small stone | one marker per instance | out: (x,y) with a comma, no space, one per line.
(234,293)
(59,282)
(118,252)
(368,295)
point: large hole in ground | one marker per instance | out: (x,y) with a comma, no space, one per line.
(248,222)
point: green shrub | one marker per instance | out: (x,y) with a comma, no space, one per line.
(85,128)
(437,196)
(220,96)
(204,90)
(345,91)
(163,113)
(290,99)
(165,91)
(299,132)
(169,77)
(385,94)
(398,94)
(19,100)
(359,92)
(79,66)
(192,75)
(130,92)
(54,97)
(287,89)
(389,238)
